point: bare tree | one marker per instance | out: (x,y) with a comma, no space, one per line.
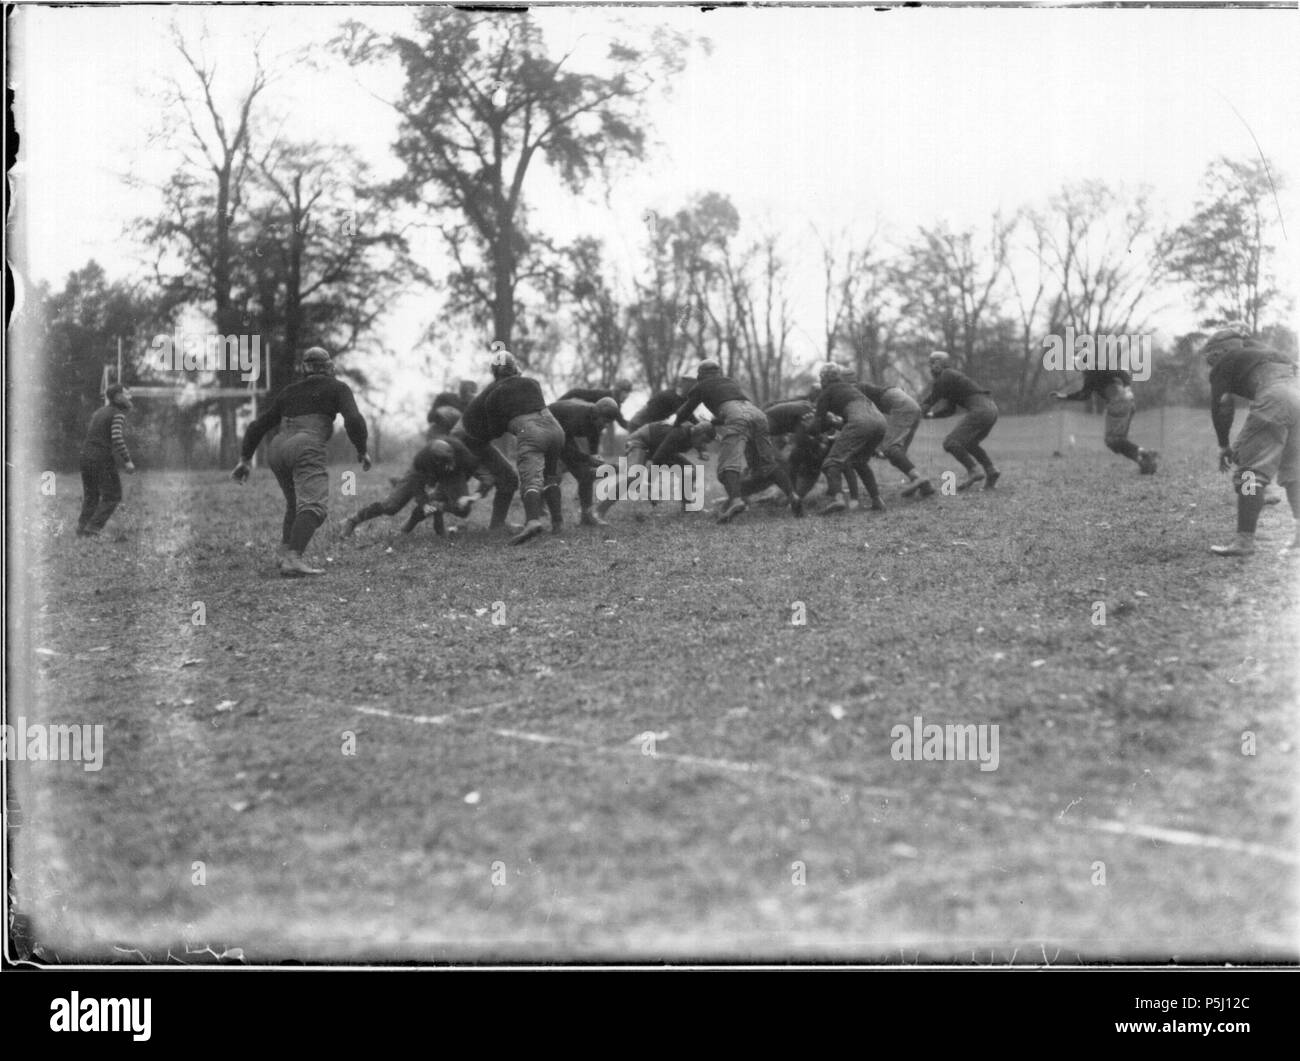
(205,199)
(951,287)
(1106,255)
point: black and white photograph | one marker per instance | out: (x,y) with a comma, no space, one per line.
(652,485)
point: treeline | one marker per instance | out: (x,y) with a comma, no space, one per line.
(1089,261)
(295,241)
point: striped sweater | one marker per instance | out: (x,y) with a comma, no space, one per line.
(106,435)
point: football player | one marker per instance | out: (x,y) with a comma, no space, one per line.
(1268,445)
(953,390)
(743,437)
(305,412)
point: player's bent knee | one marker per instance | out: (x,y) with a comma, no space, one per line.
(1248,481)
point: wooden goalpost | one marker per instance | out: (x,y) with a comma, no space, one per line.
(252,392)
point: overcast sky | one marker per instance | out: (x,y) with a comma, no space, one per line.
(805,117)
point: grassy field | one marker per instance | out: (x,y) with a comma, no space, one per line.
(620,745)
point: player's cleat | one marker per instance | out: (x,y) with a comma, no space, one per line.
(530,531)
(349,525)
(971,479)
(1147,461)
(991,480)
(877,505)
(913,485)
(927,488)
(733,509)
(1243,546)
(796,507)
(590,518)
(837,504)
(294,566)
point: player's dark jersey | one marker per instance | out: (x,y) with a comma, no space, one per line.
(713,392)
(319,394)
(586,394)
(444,398)
(954,387)
(661,406)
(489,414)
(1096,380)
(593,395)
(1244,373)
(580,420)
(784,418)
(669,443)
(846,401)
(886,399)
(431,470)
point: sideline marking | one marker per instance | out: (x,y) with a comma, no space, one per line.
(1177,837)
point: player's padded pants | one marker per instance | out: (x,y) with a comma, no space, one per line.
(1268,450)
(297,459)
(745,440)
(578,464)
(1268,446)
(900,429)
(963,441)
(1119,415)
(101,491)
(857,440)
(404,491)
(539,439)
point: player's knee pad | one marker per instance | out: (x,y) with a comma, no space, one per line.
(314,508)
(953,446)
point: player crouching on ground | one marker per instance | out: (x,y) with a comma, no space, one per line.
(583,421)
(617,394)
(953,390)
(441,466)
(658,445)
(742,435)
(305,411)
(1268,445)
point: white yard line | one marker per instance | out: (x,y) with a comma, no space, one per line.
(1176,837)
(428,720)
